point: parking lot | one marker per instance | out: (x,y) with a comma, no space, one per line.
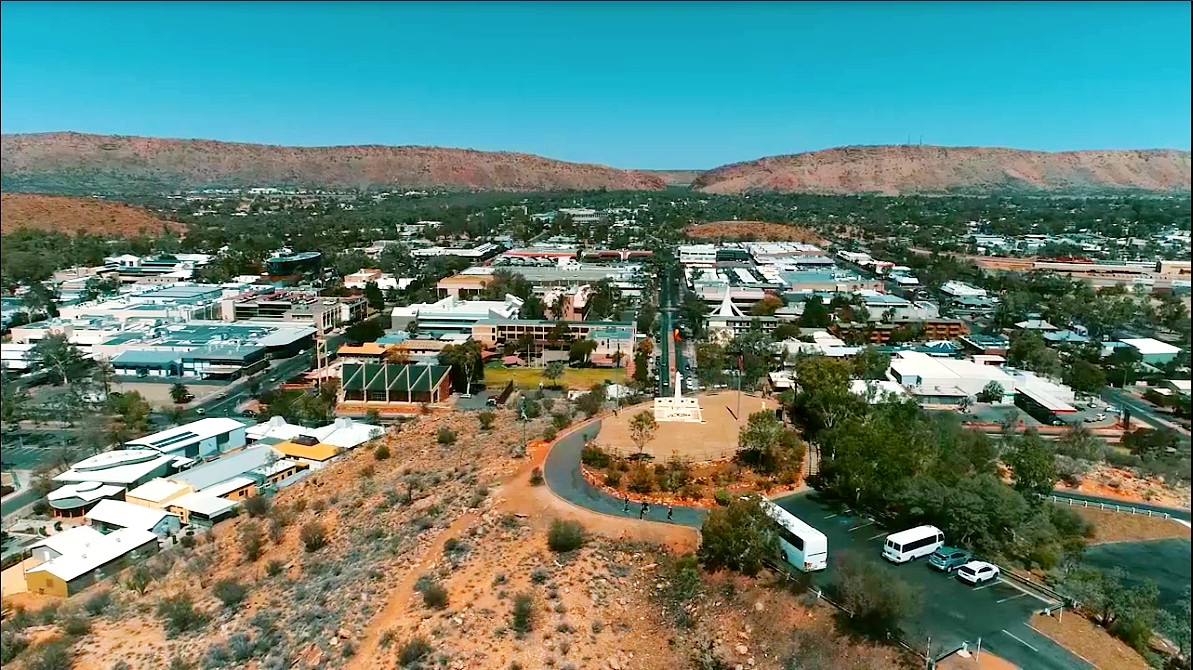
(953,613)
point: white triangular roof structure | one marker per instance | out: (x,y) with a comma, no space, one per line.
(727,307)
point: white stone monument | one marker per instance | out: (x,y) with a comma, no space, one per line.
(678,408)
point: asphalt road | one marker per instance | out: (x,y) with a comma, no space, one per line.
(1139,408)
(1166,563)
(953,612)
(666,328)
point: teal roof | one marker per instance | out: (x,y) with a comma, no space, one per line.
(147,357)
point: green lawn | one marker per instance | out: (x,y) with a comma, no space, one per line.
(580,378)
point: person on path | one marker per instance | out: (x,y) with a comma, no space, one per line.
(626,507)
(644,510)
(670,512)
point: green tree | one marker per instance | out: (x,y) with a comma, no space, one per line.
(57,354)
(553,372)
(764,442)
(467,367)
(642,429)
(179,393)
(131,416)
(1033,465)
(871,364)
(816,314)
(1028,350)
(991,392)
(882,604)
(580,351)
(767,306)
(823,399)
(374,296)
(737,537)
(1084,377)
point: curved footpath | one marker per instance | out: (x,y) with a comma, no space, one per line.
(562,474)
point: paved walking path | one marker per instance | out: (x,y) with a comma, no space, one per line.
(562,473)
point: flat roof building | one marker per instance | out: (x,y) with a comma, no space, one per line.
(452,315)
(123,467)
(197,439)
(112,515)
(100,558)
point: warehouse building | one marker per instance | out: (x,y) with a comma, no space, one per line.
(87,559)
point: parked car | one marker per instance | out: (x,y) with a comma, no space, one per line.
(1095,418)
(977,572)
(947,559)
(491,402)
(1094,405)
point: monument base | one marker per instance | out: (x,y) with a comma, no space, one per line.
(685,410)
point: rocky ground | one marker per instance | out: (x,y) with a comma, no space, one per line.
(460,517)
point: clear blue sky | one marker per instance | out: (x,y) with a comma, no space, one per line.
(655,85)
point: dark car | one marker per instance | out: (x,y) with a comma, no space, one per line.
(947,559)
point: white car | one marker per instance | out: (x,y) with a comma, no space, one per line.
(1094,405)
(977,572)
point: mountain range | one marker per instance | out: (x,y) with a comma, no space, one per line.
(76,163)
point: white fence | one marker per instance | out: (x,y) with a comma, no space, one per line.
(1126,509)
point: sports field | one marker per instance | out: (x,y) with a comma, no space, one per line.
(529,378)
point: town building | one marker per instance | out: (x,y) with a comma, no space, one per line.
(112,515)
(729,321)
(1152,351)
(89,560)
(124,467)
(384,281)
(76,500)
(452,315)
(956,289)
(386,383)
(202,350)
(946,381)
(324,313)
(884,332)
(198,439)
(610,336)
(171,267)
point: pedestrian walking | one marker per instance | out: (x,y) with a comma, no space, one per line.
(670,512)
(642,512)
(626,507)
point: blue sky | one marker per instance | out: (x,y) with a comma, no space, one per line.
(650,85)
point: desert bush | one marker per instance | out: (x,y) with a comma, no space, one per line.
(722,497)
(256,506)
(313,536)
(539,575)
(881,602)
(434,595)
(561,420)
(178,615)
(274,568)
(412,653)
(446,436)
(137,579)
(612,478)
(522,619)
(536,477)
(252,542)
(54,655)
(12,644)
(381,452)
(230,592)
(98,603)
(486,419)
(642,479)
(737,537)
(74,621)
(565,536)
(594,456)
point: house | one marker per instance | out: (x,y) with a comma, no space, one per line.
(90,561)
(71,540)
(990,345)
(1038,325)
(956,289)
(75,500)
(112,515)
(1181,386)
(157,493)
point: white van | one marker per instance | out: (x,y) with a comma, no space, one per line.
(910,544)
(801,546)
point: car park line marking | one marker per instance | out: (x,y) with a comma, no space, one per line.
(831,515)
(1021,641)
(875,537)
(1017,595)
(868,523)
(986,586)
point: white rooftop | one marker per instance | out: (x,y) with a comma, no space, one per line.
(1147,345)
(98,552)
(882,389)
(276,427)
(175,439)
(72,540)
(203,503)
(229,486)
(346,433)
(86,491)
(122,466)
(158,490)
(126,515)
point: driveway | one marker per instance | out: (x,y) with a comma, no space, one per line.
(953,613)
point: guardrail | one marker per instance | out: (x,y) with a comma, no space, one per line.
(1106,506)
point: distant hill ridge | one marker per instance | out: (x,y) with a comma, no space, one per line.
(903,169)
(77,163)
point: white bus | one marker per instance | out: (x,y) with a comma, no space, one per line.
(800,544)
(910,544)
